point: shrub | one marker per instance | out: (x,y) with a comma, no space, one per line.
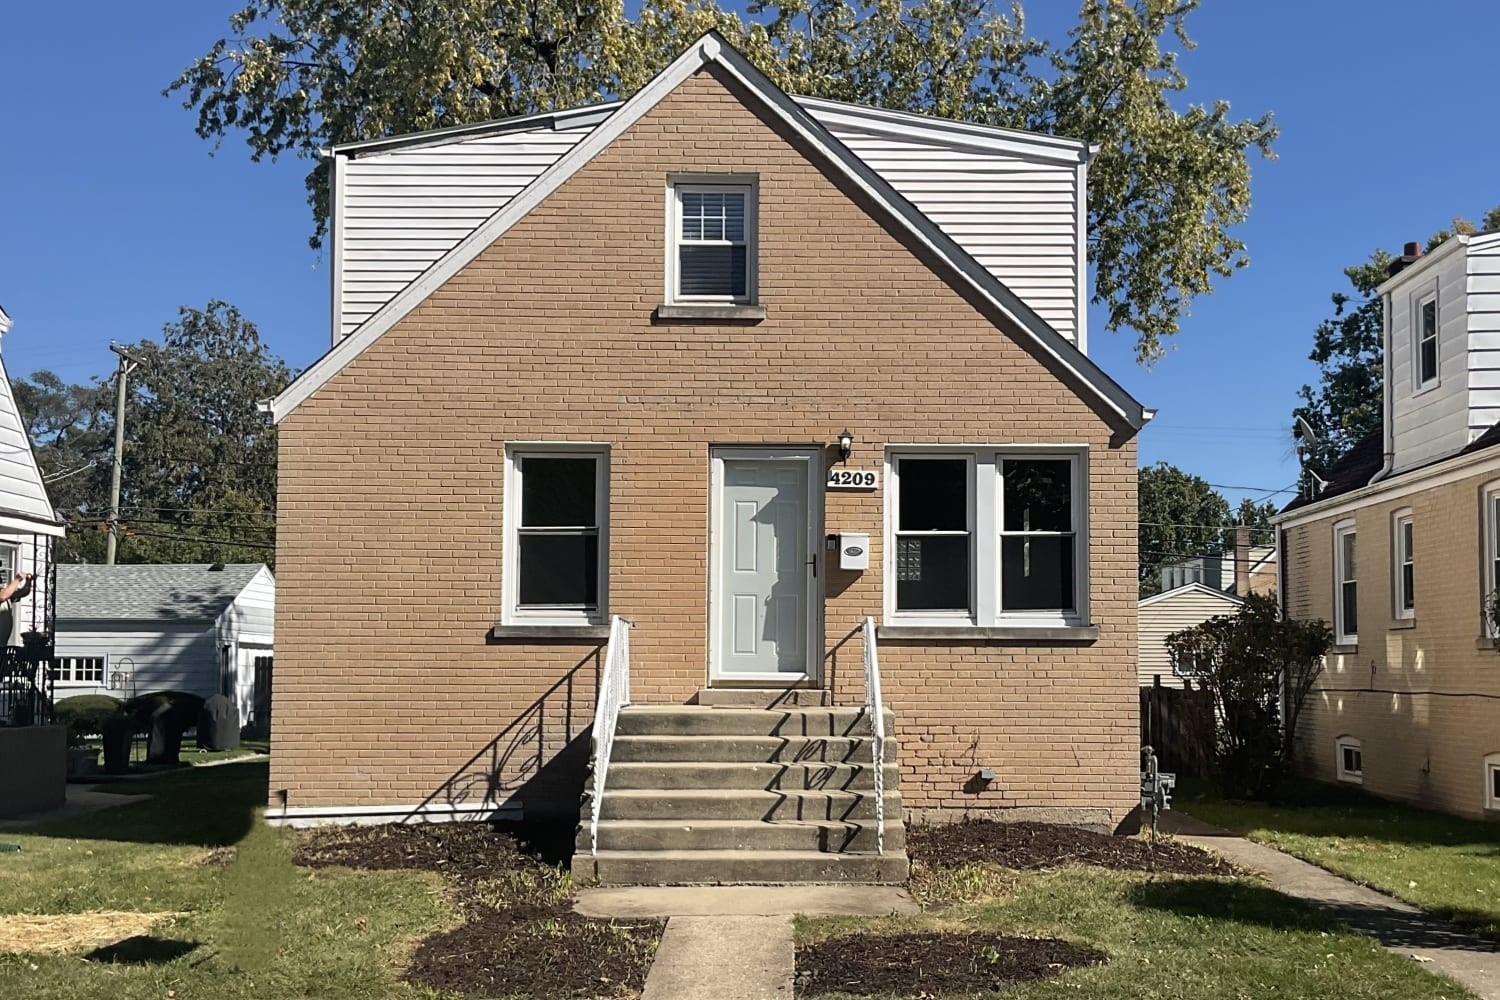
(85,715)
(1256,665)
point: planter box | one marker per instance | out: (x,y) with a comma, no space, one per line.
(33,769)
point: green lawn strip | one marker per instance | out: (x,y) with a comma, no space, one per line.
(1177,937)
(251,924)
(1448,866)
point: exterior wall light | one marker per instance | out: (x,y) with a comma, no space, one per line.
(846,444)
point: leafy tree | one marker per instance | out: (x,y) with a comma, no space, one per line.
(1165,191)
(1180,516)
(199,474)
(1258,667)
(1347,347)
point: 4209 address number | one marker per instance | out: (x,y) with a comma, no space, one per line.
(853,479)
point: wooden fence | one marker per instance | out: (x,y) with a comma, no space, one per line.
(1178,723)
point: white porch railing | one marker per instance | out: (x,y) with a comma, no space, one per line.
(614,694)
(875,707)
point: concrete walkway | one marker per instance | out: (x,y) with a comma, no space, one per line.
(745,901)
(1400,927)
(80,802)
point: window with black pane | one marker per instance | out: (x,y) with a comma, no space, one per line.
(934,544)
(714,242)
(1038,538)
(558,557)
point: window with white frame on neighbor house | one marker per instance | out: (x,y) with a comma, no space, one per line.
(1492,781)
(1351,759)
(556,548)
(1403,575)
(1425,361)
(1346,586)
(80,669)
(10,561)
(1491,582)
(987,537)
(713,257)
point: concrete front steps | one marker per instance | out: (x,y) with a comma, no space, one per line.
(744,787)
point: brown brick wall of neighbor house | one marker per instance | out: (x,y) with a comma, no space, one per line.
(390,542)
(1423,748)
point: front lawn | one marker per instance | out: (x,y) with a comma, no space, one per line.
(1445,865)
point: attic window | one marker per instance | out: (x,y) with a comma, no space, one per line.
(1425,363)
(712,259)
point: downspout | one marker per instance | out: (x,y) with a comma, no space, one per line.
(1387,420)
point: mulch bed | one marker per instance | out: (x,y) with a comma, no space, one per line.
(1029,846)
(933,963)
(520,934)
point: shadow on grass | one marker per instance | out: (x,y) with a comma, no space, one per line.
(143,949)
(1393,925)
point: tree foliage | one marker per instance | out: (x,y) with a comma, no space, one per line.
(1166,189)
(1182,515)
(1348,402)
(1258,667)
(199,473)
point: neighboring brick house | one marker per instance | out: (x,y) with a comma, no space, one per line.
(1398,547)
(598,363)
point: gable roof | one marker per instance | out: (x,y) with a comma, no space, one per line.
(24,505)
(1188,588)
(170,592)
(886,205)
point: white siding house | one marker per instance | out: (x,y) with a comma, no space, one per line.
(1170,612)
(132,629)
(1014,200)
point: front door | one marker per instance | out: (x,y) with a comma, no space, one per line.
(764,565)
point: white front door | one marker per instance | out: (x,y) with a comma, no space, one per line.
(764,565)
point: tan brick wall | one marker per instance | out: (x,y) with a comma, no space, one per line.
(1422,698)
(389,558)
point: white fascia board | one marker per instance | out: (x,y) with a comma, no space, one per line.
(948,132)
(1421,265)
(1190,588)
(582,117)
(712,48)
(1428,477)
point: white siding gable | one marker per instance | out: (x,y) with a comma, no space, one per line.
(1484,332)
(1170,612)
(23,499)
(1012,200)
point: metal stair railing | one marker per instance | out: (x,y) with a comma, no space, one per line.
(875,706)
(614,694)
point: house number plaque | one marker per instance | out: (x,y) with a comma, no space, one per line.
(853,479)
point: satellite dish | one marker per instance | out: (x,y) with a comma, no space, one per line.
(1304,432)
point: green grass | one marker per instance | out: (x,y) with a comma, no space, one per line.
(250,924)
(1166,937)
(1446,865)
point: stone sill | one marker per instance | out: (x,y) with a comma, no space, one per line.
(1349,649)
(1484,642)
(1404,623)
(710,311)
(591,633)
(1001,633)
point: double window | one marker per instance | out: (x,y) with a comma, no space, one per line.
(1425,345)
(987,537)
(712,249)
(556,534)
(1346,589)
(80,670)
(1403,567)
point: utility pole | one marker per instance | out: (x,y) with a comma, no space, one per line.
(128,364)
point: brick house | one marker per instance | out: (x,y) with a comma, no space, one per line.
(1398,546)
(587,405)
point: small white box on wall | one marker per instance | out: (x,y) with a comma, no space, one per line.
(854,550)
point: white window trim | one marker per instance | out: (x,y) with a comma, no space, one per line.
(1489,554)
(1491,766)
(14,549)
(102,682)
(1341,576)
(1349,743)
(1399,559)
(510,575)
(748,183)
(1420,301)
(985,520)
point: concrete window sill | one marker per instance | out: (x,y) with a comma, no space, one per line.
(590,633)
(1348,649)
(1485,642)
(1404,623)
(1002,633)
(710,312)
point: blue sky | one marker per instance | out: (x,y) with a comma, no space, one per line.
(113,212)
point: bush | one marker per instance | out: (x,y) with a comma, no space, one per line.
(85,715)
(1254,664)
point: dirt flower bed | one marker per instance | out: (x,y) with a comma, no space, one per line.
(932,964)
(520,935)
(1029,846)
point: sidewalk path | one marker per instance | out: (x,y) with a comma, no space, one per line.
(723,958)
(1400,927)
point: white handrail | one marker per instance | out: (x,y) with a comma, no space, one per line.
(875,706)
(613,695)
